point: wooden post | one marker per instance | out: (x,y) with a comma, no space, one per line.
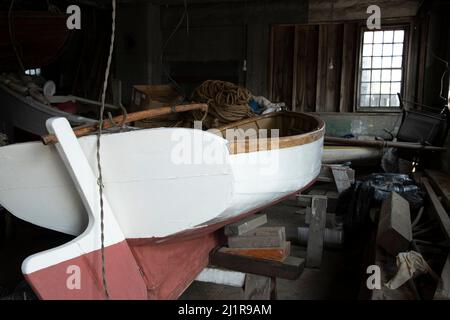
(257,287)
(316,232)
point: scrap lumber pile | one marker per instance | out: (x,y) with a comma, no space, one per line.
(261,253)
(415,243)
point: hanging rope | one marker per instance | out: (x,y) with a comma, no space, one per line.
(226,101)
(99,135)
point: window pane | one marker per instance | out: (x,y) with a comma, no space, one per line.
(365,88)
(378,37)
(398,49)
(367,62)
(396,75)
(387,50)
(374,100)
(387,62)
(386,88)
(386,75)
(381,68)
(368,37)
(365,76)
(367,50)
(397,62)
(388,36)
(364,101)
(394,101)
(399,35)
(378,50)
(395,87)
(376,75)
(376,88)
(376,63)
(385,100)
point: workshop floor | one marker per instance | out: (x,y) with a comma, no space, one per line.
(338,277)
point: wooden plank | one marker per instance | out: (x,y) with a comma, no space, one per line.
(257,58)
(257,287)
(317,223)
(277,254)
(439,210)
(290,268)
(263,237)
(348,67)
(307,38)
(394,228)
(341,178)
(245,225)
(282,64)
(443,288)
(441,183)
(329,68)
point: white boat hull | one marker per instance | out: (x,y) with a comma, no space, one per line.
(150,195)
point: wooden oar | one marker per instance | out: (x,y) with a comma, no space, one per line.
(136,116)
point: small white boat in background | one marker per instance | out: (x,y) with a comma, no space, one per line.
(166,191)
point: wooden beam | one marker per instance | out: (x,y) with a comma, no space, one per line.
(441,214)
(277,254)
(394,227)
(257,287)
(290,268)
(263,237)
(441,183)
(314,250)
(348,67)
(245,225)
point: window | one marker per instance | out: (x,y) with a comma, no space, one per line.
(381,68)
(33,72)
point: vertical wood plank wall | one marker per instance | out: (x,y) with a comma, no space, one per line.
(312,67)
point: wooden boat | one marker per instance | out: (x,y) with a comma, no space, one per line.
(167,194)
(30,115)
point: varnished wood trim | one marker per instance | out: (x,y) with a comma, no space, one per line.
(255,145)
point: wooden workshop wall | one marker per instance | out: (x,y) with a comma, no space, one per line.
(313,66)
(225,40)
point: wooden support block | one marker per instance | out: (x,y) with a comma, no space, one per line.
(439,210)
(245,225)
(277,254)
(257,287)
(314,249)
(326,173)
(290,268)
(443,288)
(341,178)
(263,237)
(394,227)
(222,276)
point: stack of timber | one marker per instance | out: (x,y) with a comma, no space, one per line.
(249,238)
(258,250)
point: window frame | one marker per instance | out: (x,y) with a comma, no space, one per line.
(405,63)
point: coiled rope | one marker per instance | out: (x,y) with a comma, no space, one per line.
(227,102)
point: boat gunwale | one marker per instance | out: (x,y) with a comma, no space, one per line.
(47,109)
(246,146)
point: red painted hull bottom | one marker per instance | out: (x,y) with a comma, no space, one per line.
(137,268)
